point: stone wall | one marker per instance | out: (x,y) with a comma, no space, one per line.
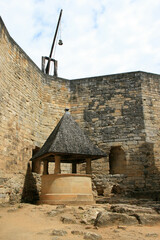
(120,113)
(19,187)
(151,111)
(31,104)
(110,110)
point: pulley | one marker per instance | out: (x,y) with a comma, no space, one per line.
(60,42)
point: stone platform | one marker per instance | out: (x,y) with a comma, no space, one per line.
(66,189)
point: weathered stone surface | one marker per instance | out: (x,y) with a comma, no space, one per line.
(112,114)
(144,215)
(68,220)
(62,206)
(120,114)
(149,219)
(131,209)
(27,96)
(76,232)
(151,235)
(59,232)
(90,215)
(61,209)
(92,236)
(108,219)
(19,187)
(53,213)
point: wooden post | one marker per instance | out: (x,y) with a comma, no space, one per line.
(45,167)
(36,166)
(88,166)
(55,68)
(43,64)
(57,165)
(74,167)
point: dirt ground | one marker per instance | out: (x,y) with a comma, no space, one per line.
(31,222)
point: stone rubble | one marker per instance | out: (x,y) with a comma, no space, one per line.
(14,188)
(67,220)
(92,236)
(102,216)
(155,235)
(76,232)
(59,232)
(108,219)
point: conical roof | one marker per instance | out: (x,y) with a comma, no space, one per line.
(69,141)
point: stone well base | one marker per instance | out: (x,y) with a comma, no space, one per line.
(66,189)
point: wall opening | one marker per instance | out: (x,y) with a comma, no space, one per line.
(51,166)
(117,160)
(65,167)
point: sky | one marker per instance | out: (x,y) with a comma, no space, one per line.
(100,37)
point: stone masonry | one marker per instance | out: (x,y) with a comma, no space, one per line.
(120,113)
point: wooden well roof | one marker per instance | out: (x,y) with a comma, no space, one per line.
(70,142)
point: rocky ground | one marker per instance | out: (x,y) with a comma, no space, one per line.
(99,221)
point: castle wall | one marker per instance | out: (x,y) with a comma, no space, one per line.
(151,110)
(30,107)
(110,110)
(120,113)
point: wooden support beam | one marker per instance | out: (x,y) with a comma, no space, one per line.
(36,166)
(88,166)
(57,165)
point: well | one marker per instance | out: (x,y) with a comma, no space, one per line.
(66,144)
(66,189)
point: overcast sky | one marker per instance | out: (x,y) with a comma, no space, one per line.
(100,37)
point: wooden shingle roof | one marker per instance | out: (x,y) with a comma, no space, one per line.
(70,142)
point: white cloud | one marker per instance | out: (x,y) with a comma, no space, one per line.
(100,36)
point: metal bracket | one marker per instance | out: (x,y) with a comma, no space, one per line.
(46,61)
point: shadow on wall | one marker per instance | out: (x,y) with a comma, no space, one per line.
(117,161)
(148,185)
(30,192)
